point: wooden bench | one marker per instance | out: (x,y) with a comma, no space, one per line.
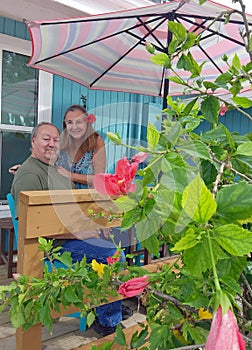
(48,213)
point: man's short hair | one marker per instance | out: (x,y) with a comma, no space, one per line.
(35,129)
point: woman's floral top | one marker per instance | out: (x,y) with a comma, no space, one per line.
(83,166)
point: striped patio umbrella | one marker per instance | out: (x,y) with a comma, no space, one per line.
(108,51)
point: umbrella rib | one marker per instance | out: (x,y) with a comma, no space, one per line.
(106,37)
(125,54)
(213,32)
(216,66)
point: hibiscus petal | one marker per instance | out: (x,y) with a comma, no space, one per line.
(224,333)
(140,157)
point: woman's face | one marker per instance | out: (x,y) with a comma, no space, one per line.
(75,124)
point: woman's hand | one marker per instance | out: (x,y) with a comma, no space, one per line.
(62,171)
(14,169)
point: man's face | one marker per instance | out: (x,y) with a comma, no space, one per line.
(46,144)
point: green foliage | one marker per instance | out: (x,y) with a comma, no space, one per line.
(195,195)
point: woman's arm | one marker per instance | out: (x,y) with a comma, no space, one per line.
(99,163)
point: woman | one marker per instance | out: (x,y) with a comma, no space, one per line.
(82,149)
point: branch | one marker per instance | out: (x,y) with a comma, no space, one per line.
(218,178)
(175,301)
(231,169)
(246,284)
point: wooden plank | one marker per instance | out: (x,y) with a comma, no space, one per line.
(49,214)
(128,334)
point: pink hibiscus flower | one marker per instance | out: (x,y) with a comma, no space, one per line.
(134,286)
(224,333)
(223,110)
(113,259)
(121,181)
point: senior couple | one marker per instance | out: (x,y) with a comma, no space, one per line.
(71,162)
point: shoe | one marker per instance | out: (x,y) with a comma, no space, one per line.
(126,312)
(102,330)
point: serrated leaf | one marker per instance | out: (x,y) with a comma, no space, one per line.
(234,239)
(138,340)
(120,336)
(195,148)
(210,109)
(198,201)
(161,59)
(186,242)
(158,336)
(245,149)
(152,135)
(178,30)
(125,203)
(244,102)
(198,259)
(234,202)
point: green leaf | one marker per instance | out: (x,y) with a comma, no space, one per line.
(210,109)
(244,102)
(125,203)
(198,201)
(158,336)
(161,59)
(152,135)
(188,241)
(198,259)
(178,30)
(90,318)
(245,149)
(120,336)
(195,148)
(234,202)
(234,239)
(140,339)
(130,218)
(189,42)
(69,294)
(236,62)
(176,80)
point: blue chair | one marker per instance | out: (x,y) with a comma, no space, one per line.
(11,202)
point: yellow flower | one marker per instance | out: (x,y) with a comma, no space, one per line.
(204,314)
(98,267)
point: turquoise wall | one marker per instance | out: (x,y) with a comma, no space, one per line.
(120,112)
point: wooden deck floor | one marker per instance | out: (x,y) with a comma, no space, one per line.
(66,334)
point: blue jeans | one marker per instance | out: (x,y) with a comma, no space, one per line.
(108,315)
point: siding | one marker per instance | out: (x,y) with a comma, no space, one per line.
(120,112)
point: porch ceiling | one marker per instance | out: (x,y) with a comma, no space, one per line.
(50,9)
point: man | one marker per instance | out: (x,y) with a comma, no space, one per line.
(38,172)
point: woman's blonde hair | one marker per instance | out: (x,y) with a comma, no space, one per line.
(89,138)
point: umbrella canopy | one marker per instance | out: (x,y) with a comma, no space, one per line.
(108,51)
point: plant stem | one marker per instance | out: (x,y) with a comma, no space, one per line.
(216,280)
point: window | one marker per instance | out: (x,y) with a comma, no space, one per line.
(26,98)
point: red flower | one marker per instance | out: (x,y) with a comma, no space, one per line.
(113,259)
(134,286)
(90,118)
(223,109)
(121,181)
(224,333)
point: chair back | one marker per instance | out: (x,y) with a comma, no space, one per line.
(11,203)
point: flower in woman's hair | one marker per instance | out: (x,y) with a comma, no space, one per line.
(97,267)
(90,118)
(224,332)
(134,286)
(121,181)
(223,110)
(113,259)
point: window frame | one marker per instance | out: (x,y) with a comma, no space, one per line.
(45,92)
(24,47)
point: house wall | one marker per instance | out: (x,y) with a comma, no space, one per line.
(120,112)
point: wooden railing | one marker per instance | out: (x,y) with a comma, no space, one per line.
(48,214)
